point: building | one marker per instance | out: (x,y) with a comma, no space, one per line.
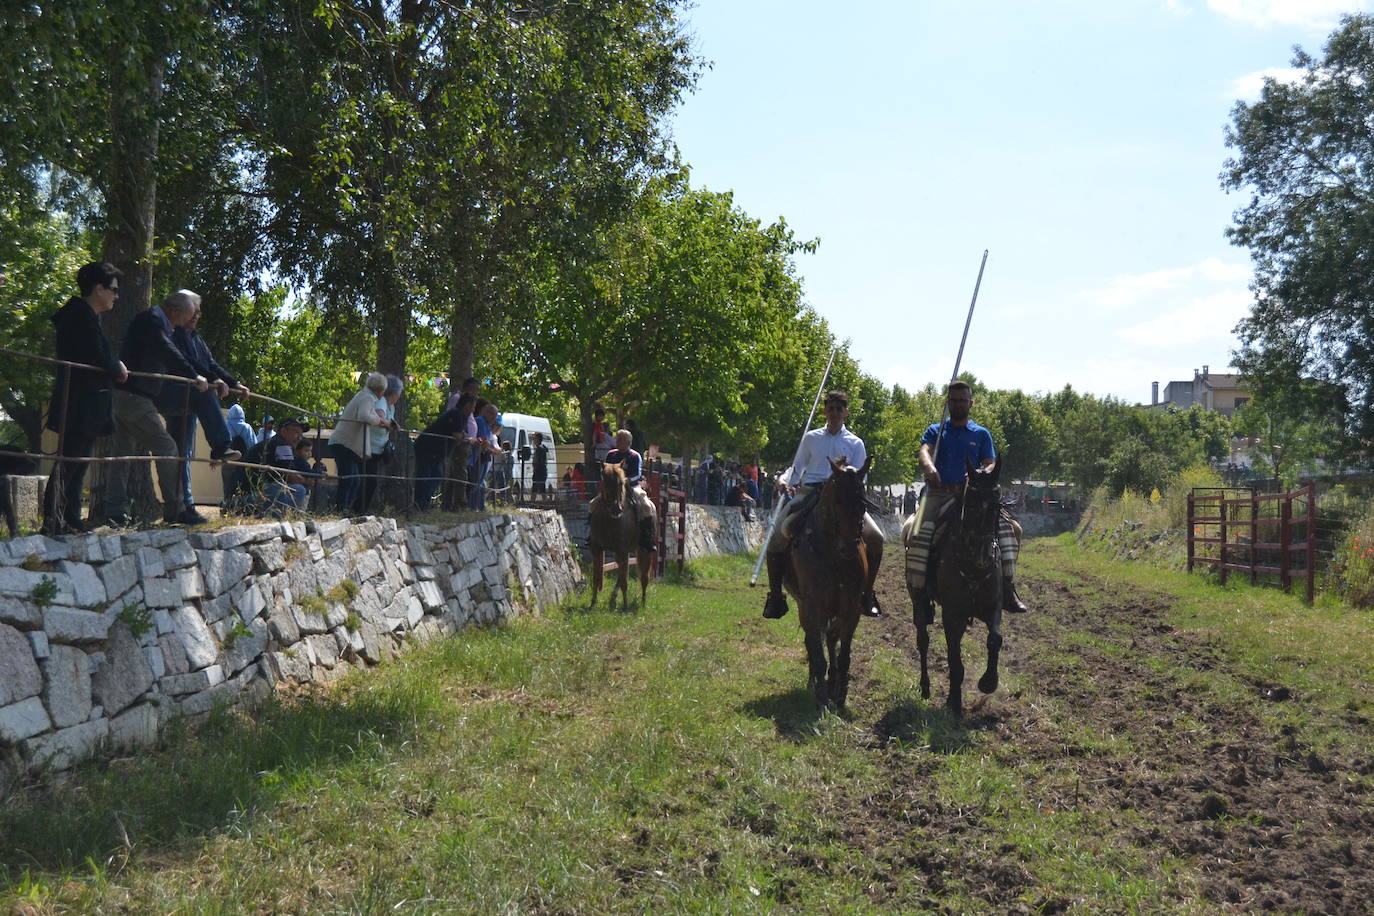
(1223,393)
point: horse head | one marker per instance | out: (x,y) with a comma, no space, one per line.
(843,496)
(613,489)
(981,499)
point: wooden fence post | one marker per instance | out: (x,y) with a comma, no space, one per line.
(1192,531)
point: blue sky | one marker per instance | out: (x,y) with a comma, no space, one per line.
(1079,142)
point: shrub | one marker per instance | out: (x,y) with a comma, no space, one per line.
(1355,562)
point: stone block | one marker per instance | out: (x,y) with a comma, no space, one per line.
(136,727)
(301,578)
(38,642)
(316,548)
(287,665)
(309,621)
(161,592)
(150,563)
(268,557)
(415,612)
(369,642)
(246,648)
(21,583)
(162,620)
(323,649)
(282,625)
(366,565)
(190,582)
(20,613)
(216,609)
(69,625)
(23,720)
(161,538)
(223,568)
(328,531)
(90,591)
(46,549)
(425,573)
(126,674)
(177,685)
(156,660)
(173,655)
(330,571)
(429,595)
(251,604)
(66,686)
(19,674)
(119,575)
(179,556)
(61,750)
(196,639)
(90,549)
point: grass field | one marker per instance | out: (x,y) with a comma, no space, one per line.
(671,761)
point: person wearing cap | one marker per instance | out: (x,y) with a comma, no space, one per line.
(961,442)
(282,490)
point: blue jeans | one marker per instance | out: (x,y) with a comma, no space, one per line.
(205,407)
(350,468)
(282,496)
(477,491)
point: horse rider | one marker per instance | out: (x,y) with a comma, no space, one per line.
(632,463)
(962,441)
(809,471)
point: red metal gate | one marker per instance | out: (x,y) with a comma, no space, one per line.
(1235,530)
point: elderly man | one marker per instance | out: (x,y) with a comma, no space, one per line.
(139,428)
(182,407)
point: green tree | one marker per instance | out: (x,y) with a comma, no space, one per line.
(1024,435)
(1292,426)
(1303,155)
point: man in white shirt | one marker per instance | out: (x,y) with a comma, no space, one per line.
(810,469)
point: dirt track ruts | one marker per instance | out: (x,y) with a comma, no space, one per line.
(1271,824)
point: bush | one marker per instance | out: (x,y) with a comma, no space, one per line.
(1354,560)
(1176,497)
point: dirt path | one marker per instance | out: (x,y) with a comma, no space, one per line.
(1269,823)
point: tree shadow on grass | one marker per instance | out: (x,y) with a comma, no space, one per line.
(794,714)
(203,781)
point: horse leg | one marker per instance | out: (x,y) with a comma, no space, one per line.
(815,657)
(841,693)
(832,677)
(646,567)
(922,643)
(954,634)
(988,682)
(622,576)
(598,560)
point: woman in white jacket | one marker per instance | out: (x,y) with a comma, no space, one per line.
(349,443)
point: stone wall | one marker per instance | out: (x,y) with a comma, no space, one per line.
(722,529)
(104,639)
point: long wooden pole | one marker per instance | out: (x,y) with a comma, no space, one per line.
(944,414)
(806,428)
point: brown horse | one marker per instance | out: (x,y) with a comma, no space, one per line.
(968,581)
(827,572)
(613,528)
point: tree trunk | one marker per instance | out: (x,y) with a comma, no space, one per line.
(130,211)
(393,341)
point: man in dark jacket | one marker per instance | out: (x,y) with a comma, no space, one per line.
(177,398)
(139,429)
(79,409)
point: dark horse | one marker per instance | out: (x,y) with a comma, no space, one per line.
(968,581)
(613,528)
(827,572)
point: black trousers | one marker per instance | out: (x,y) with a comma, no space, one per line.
(68,478)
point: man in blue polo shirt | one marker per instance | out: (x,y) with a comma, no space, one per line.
(962,442)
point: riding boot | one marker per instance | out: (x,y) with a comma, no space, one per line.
(776,605)
(648,539)
(1011,602)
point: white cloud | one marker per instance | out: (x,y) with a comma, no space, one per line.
(1248,87)
(1206,319)
(1128,290)
(1316,14)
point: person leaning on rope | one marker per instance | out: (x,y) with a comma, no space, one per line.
(962,441)
(809,471)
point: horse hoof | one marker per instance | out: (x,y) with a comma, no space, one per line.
(925,689)
(987,683)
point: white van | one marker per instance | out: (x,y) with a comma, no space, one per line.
(518,429)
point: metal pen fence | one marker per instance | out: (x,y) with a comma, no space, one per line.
(1271,535)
